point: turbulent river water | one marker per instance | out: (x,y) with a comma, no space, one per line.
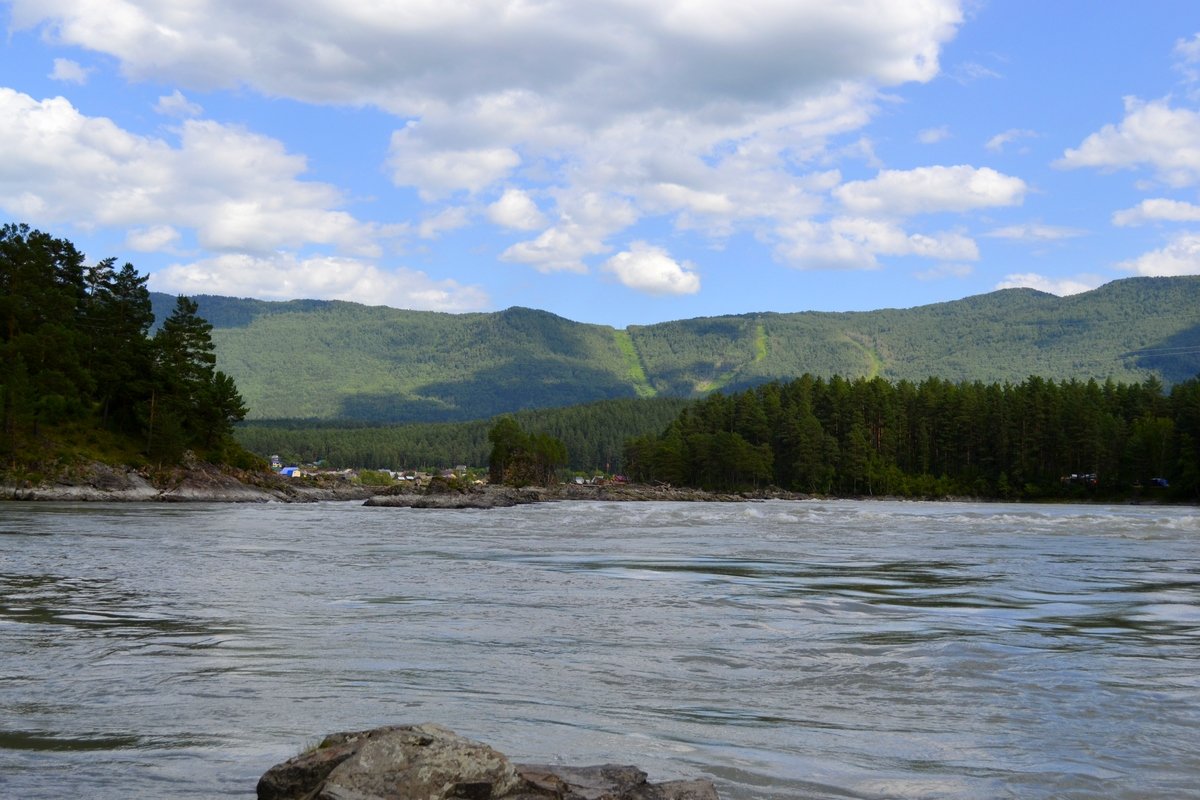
(781,649)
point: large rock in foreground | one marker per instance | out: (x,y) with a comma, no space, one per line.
(429,762)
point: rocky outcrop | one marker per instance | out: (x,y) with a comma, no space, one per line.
(429,762)
(504,496)
(472,497)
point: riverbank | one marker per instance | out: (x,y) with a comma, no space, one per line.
(208,483)
(194,482)
(489,496)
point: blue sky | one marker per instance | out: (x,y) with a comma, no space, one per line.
(616,162)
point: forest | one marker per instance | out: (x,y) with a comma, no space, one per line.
(1036,439)
(594,435)
(81,376)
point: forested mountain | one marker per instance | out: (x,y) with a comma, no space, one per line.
(337,360)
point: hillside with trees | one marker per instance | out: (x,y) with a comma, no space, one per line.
(308,359)
(1035,439)
(81,377)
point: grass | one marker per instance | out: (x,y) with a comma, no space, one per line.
(633,364)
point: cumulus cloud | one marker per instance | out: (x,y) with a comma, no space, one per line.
(1058,286)
(1152,134)
(586,221)
(931,189)
(516,210)
(1181,256)
(448,219)
(152,239)
(998,142)
(856,243)
(651,269)
(238,190)
(286,276)
(1035,232)
(69,71)
(438,171)
(176,105)
(691,55)
(707,112)
(1157,209)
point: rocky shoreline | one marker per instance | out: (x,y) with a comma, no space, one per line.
(483,497)
(195,482)
(207,483)
(429,762)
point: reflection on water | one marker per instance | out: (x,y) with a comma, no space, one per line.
(787,650)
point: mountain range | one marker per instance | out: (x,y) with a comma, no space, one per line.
(318,359)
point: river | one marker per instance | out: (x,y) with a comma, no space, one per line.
(782,649)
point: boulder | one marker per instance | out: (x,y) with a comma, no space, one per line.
(429,762)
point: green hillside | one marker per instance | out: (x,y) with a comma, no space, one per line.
(337,360)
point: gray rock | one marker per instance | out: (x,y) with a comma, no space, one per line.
(429,762)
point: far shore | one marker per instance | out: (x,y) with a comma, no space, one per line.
(206,483)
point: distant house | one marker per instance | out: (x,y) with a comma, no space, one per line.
(290,472)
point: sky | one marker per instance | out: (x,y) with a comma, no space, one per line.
(611,161)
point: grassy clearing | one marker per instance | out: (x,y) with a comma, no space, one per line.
(633,364)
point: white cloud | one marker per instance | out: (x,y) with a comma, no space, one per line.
(856,243)
(998,142)
(622,56)
(1181,256)
(1187,55)
(153,239)
(1035,232)
(934,135)
(1189,49)
(676,196)
(586,220)
(1157,209)
(448,219)
(69,71)
(931,189)
(708,112)
(651,269)
(516,210)
(559,249)
(439,171)
(176,105)
(1058,286)
(286,276)
(971,71)
(811,245)
(1152,134)
(238,190)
